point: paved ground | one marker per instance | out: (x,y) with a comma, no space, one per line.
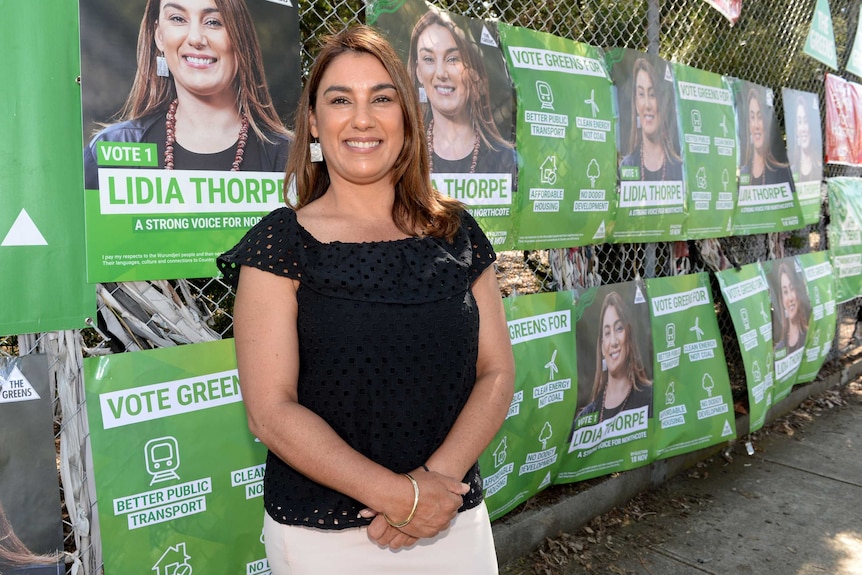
(793,507)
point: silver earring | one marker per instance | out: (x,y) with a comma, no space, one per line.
(315,151)
(423,96)
(638,120)
(162,67)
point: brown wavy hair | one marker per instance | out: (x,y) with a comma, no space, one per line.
(476,78)
(152,93)
(663,99)
(634,363)
(13,553)
(418,209)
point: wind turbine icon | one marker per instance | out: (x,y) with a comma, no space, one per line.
(552,366)
(592,102)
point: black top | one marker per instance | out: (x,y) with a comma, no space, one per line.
(388,341)
(637,399)
(187,160)
(488,161)
(672,168)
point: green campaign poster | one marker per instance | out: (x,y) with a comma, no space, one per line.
(709,148)
(767,199)
(180,162)
(791,317)
(692,400)
(652,202)
(805,148)
(746,294)
(468,102)
(160,224)
(566,149)
(42,221)
(522,458)
(179,477)
(611,430)
(817,270)
(854,61)
(845,236)
(820,43)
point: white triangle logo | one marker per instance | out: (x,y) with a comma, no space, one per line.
(487,39)
(24,232)
(546,481)
(639,296)
(600,233)
(727,430)
(16,388)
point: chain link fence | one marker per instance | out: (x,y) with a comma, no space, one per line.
(765,46)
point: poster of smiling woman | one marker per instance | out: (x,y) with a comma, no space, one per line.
(610,430)
(185,138)
(805,148)
(652,203)
(791,316)
(468,103)
(767,199)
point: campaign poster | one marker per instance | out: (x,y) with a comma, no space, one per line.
(708,127)
(730,9)
(805,148)
(42,218)
(854,61)
(767,197)
(611,428)
(820,43)
(522,458)
(841,144)
(819,278)
(791,320)
(845,236)
(468,102)
(179,477)
(854,91)
(566,147)
(31,530)
(746,294)
(692,401)
(183,150)
(652,202)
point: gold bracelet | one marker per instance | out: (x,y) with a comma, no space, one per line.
(412,511)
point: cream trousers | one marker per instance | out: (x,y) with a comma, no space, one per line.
(466,547)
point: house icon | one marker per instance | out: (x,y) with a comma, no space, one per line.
(500,452)
(174,561)
(548,170)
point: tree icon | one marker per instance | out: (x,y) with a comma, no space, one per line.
(593,172)
(707,384)
(546,434)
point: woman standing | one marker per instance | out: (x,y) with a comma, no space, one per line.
(651,145)
(200,92)
(364,365)
(461,133)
